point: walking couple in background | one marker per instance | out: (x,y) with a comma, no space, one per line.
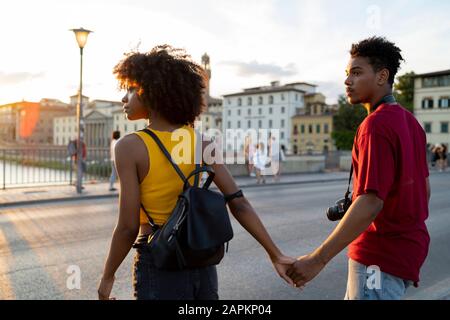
(259,164)
(384,225)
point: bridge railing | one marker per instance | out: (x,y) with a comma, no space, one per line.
(21,167)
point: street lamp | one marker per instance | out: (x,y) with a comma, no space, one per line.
(81,36)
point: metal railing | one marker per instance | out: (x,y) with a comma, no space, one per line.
(21,167)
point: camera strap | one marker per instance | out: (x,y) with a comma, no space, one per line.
(349,181)
(386,99)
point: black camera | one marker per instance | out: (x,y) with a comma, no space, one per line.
(338,211)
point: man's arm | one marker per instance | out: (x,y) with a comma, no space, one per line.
(357,219)
(359,216)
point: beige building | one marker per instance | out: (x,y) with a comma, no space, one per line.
(211,118)
(65,129)
(74,100)
(30,122)
(35,121)
(8,120)
(312,126)
(432,105)
(125,126)
(98,123)
(265,107)
(98,129)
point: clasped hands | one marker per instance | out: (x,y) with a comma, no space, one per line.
(297,272)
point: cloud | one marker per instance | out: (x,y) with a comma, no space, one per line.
(15,78)
(331,89)
(255,68)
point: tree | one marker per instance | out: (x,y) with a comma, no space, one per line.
(345,123)
(404,90)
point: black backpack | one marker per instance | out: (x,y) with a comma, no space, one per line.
(196,232)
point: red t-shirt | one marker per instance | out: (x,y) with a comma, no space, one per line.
(389,159)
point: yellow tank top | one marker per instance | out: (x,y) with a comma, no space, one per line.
(161,186)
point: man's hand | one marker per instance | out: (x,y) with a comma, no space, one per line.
(305,269)
(281,265)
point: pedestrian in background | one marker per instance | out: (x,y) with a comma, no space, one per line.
(260,161)
(276,156)
(442,156)
(435,151)
(72,149)
(112,178)
(249,152)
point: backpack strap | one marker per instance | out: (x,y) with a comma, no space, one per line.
(177,169)
(150,220)
(199,170)
(166,153)
(198,156)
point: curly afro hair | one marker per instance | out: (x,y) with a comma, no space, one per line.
(381,54)
(167,81)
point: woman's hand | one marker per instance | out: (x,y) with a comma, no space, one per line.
(305,269)
(282,264)
(104,289)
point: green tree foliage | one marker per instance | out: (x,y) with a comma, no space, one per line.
(345,123)
(404,90)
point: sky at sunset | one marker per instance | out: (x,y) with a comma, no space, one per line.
(250,42)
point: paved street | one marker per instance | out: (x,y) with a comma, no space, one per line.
(39,243)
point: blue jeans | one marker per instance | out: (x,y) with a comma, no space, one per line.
(150,283)
(370,283)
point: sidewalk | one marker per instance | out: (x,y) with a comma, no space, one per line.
(44,194)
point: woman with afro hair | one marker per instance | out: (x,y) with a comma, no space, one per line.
(166,87)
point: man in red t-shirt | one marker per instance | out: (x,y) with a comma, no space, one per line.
(385,225)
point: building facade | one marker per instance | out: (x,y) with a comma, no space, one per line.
(30,122)
(211,118)
(35,123)
(268,107)
(432,105)
(8,121)
(65,129)
(98,123)
(125,126)
(312,127)
(98,129)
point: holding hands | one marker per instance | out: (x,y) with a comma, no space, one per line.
(298,272)
(305,269)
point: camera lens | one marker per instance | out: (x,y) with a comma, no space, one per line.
(334,213)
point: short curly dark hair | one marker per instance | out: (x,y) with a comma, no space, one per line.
(381,54)
(167,81)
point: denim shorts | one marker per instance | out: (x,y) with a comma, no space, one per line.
(370,283)
(150,283)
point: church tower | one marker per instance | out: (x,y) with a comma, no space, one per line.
(206,65)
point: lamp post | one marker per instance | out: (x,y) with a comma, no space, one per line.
(81,36)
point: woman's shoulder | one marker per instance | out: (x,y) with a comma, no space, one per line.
(128,144)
